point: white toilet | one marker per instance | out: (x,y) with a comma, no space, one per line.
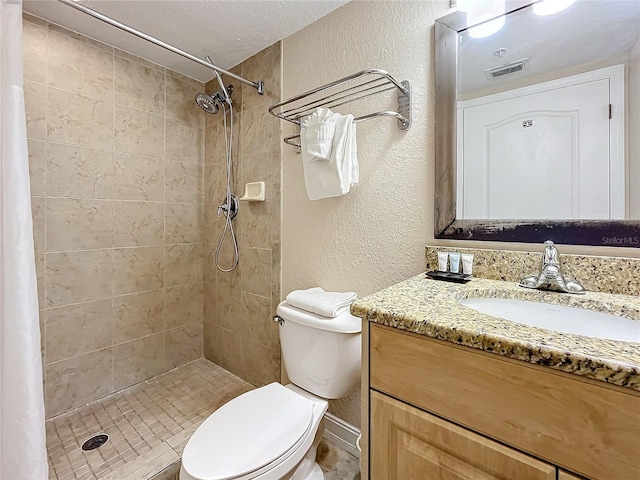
(272,433)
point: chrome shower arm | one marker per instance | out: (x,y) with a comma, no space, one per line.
(259,86)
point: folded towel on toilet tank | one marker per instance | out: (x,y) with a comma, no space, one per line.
(321,302)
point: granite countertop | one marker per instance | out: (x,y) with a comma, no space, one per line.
(430,307)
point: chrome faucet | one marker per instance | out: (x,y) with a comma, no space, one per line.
(550,277)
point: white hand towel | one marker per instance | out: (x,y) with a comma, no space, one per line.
(334,177)
(316,134)
(317,300)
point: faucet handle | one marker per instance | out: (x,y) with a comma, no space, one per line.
(550,255)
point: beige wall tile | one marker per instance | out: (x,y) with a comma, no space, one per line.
(75,277)
(57,29)
(40,271)
(256,271)
(138,178)
(181,105)
(141,61)
(138,132)
(184,142)
(137,223)
(37,166)
(43,338)
(212,346)
(257,321)
(257,131)
(184,304)
(263,66)
(183,344)
(255,219)
(184,223)
(184,264)
(137,269)
(34,48)
(78,172)
(78,380)
(79,120)
(77,329)
(79,67)
(228,308)
(35,99)
(230,346)
(211,194)
(78,224)
(38,217)
(138,315)
(137,360)
(261,365)
(184,182)
(209,274)
(210,146)
(138,86)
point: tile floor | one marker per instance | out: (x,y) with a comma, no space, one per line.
(149,425)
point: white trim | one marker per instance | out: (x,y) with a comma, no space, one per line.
(341,434)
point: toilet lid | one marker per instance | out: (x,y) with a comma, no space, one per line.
(247,433)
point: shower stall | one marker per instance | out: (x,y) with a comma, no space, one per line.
(125,201)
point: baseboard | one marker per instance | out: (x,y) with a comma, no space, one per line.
(341,434)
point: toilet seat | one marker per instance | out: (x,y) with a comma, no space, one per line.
(226,445)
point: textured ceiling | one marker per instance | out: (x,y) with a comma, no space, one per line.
(229,31)
(588,32)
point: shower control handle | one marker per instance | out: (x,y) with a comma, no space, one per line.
(229,209)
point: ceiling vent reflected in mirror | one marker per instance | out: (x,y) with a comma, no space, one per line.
(502,70)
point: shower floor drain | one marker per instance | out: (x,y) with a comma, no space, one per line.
(95,442)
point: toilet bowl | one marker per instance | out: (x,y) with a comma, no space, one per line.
(262,434)
(272,432)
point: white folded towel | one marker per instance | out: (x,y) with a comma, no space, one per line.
(316,134)
(317,300)
(333,176)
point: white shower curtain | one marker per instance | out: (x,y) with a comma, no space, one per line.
(22,434)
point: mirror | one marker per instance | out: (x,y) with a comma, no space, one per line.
(525,148)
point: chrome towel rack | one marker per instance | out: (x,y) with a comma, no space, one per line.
(342,92)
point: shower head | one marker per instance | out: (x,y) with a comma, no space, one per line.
(211,103)
(207,103)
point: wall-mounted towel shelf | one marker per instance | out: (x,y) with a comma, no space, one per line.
(342,92)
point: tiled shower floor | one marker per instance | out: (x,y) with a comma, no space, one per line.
(149,425)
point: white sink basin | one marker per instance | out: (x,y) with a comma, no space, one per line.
(559,318)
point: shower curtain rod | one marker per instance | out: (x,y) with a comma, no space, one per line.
(259,86)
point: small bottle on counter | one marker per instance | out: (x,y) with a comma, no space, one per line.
(467,263)
(454,262)
(443,258)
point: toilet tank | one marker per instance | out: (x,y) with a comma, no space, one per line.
(322,355)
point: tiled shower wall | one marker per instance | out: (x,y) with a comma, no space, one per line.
(240,334)
(116,150)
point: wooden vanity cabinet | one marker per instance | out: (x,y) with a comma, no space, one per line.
(562,475)
(460,413)
(412,444)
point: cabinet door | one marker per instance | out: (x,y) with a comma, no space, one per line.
(407,443)
(564,475)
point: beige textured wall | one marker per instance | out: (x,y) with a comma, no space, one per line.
(116,150)
(374,236)
(239,332)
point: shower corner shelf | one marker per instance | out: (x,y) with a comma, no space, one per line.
(342,92)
